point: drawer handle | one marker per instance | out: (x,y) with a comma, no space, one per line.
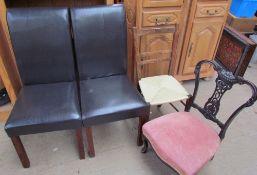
(190,49)
(143,57)
(212,12)
(162,20)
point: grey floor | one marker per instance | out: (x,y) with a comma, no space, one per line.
(117,153)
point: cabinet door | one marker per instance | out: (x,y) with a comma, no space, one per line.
(203,42)
(156,42)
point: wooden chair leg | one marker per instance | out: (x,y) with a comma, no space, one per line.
(212,158)
(80,143)
(90,142)
(142,121)
(145,148)
(21,151)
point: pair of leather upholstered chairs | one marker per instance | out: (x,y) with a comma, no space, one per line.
(72,63)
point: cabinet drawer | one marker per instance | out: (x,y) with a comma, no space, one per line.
(154,68)
(162,3)
(156,42)
(211,9)
(160,17)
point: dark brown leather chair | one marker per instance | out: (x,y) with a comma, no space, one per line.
(107,95)
(48,100)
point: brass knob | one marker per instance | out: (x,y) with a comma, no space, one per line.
(162,20)
(211,12)
(143,57)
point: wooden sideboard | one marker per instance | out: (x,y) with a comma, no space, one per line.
(171,36)
(204,29)
(164,36)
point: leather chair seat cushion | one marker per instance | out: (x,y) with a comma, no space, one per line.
(43,108)
(110,99)
(182,140)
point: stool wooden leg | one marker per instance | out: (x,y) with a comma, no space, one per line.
(80,143)
(90,142)
(21,151)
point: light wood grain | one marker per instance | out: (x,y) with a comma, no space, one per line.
(156,42)
(153,51)
(162,3)
(4,112)
(157,67)
(8,68)
(205,35)
(154,47)
(130,6)
(1,83)
(188,32)
(180,37)
(211,9)
(4,116)
(160,55)
(160,17)
(187,62)
(109,2)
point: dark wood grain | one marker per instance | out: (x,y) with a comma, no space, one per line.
(90,142)
(224,82)
(142,121)
(80,143)
(21,151)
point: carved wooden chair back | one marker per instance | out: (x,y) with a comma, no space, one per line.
(224,82)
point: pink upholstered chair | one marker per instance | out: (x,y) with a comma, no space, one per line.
(185,142)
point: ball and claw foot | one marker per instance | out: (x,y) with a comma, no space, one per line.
(145,147)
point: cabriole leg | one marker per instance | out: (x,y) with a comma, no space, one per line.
(144,149)
(142,121)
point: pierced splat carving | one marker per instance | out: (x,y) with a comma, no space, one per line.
(213,104)
(224,82)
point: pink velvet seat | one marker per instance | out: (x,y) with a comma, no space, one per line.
(182,140)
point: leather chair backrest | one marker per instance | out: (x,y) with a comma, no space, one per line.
(42,44)
(100,40)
